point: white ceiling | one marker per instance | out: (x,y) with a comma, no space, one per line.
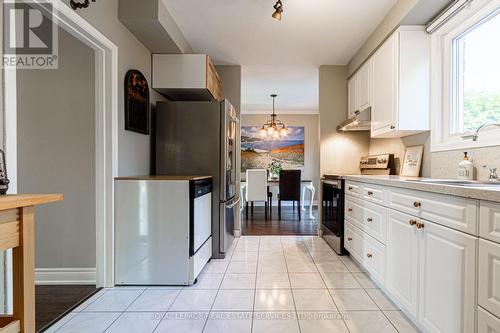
(278,57)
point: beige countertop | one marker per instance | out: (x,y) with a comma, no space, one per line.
(163,177)
(488,194)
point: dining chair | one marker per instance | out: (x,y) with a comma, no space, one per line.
(256,189)
(289,188)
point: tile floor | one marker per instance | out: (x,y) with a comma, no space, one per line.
(266,284)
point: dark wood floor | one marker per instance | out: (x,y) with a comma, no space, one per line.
(51,302)
(288,225)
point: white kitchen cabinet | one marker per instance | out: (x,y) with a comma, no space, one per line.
(486,322)
(360,91)
(402,260)
(447,287)
(400,88)
(489,276)
(489,227)
(366,216)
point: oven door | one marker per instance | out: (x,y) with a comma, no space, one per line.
(230,133)
(333,213)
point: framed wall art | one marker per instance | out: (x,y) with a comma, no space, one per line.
(137,113)
(412,161)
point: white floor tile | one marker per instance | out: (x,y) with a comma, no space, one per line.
(215,266)
(353,299)
(242,267)
(301,266)
(182,322)
(274,300)
(340,281)
(194,300)
(245,256)
(381,300)
(275,322)
(207,281)
(222,322)
(402,324)
(313,300)
(321,322)
(89,322)
(350,264)
(90,300)
(323,255)
(368,322)
(154,300)
(277,280)
(136,322)
(61,322)
(334,266)
(271,266)
(307,281)
(238,281)
(247,246)
(234,300)
(114,300)
(364,280)
(271,256)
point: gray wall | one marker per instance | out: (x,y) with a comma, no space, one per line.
(311,128)
(56,153)
(133,148)
(340,152)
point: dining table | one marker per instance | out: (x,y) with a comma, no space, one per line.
(308,185)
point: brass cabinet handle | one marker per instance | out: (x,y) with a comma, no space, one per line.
(369,255)
(369,220)
(350,188)
(417,204)
(370,193)
(349,239)
(393,127)
(420,226)
(349,209)
(412,222)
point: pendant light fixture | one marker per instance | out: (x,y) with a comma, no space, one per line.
(278,10)
(274,128)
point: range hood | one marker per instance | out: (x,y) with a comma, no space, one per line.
(360,122)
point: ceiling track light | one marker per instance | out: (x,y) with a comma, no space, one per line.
(278,10)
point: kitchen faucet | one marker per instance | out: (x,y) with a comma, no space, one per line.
(493,172)
(475,136)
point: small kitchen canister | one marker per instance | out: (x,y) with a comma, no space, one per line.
(466,168)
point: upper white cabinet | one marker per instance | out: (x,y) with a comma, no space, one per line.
(400,84)
(186,77)
(360,91)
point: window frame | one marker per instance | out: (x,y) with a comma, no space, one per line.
(443,92)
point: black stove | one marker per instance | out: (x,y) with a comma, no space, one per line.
(332,217)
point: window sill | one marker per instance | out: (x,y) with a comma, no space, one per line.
(487,139)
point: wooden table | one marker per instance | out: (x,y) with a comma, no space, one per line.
(309,186)
(17,232)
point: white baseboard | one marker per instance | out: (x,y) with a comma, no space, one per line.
(48,276)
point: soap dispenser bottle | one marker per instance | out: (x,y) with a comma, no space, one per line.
(466,169)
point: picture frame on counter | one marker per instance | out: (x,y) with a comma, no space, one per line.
(412,161)
(137,105)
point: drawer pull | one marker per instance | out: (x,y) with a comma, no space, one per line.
(370,193)
(420,226)
(417,204)
(369,255)
(349,209)
(369,220)
(412,222)
(350,188)
(349,239)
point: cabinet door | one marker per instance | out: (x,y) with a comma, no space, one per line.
(353,96)
(385,76)
(402,259)
(489,276)
(447,294)
(364,86)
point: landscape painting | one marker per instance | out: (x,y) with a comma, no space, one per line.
(258,152)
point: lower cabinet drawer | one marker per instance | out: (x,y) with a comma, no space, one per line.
(486,322)
(489,276)
(374,194)
(368,217)
(353,189)
(367,250)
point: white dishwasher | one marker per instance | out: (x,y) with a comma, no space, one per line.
(163,229)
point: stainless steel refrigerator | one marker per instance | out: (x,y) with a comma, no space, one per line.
(201,138)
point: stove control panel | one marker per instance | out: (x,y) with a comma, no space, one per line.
(376,161)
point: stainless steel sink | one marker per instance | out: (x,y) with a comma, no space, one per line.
(464,183)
